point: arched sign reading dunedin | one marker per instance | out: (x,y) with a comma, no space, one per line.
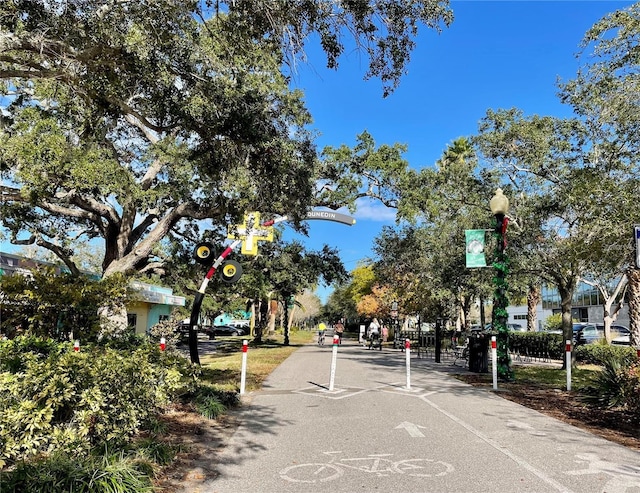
(329,215)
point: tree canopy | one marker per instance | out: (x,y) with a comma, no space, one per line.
(130,121)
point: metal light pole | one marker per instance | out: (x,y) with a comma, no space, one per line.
(499,207)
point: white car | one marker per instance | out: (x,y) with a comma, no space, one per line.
(623,336)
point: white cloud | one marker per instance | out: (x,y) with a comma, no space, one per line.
(373,210)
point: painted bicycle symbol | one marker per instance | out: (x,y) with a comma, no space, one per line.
(378,464)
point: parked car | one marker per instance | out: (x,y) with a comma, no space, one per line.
(182,329)
(488,327)
(620,335)
(591,333)
(224,330)
(242,325)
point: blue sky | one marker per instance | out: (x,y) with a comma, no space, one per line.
(496,54)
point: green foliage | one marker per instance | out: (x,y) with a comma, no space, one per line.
(617,385)
(68,401)
(553,322)
(154,451)
(15,353)
(599,354)
(114,473)
(208,405)
(166,329)
(211,402)
(218,132)
(55,305)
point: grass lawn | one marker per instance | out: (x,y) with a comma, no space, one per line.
(222,369)
(581,376)
(543,377)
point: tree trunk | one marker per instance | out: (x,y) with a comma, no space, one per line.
(253,322)
(273,311)
(262,319)
(292,315)
(533,299)
(285,322)
(610,314)
(633,276)
(466,311)
(566,289)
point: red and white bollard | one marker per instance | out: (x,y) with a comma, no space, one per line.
(163,344)
(76,346)
(568,352)
(243,372)
(407,359)
(494,361)
(334,357)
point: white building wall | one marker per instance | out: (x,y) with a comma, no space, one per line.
(518,315)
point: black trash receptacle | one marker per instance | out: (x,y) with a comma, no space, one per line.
(479,353)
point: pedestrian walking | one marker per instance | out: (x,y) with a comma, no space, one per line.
(339,330)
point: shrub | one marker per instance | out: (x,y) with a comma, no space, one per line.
(15,353)
(553,322)
(211,402)
(166,329)
(69,401)
(599,354)
(55,305)
(617,385)
(112,473)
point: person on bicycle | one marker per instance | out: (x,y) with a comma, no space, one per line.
(374,332)
(321,330)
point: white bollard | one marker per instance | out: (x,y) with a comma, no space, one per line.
(568,351)
(76,346)
(494,361)
(243,372)
(407,357)
(334,357)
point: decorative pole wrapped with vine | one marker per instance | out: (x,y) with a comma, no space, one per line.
(499,206)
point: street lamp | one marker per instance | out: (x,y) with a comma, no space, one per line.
(499,207)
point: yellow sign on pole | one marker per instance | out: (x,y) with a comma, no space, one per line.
(250,232)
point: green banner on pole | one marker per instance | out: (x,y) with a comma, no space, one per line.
(475,248)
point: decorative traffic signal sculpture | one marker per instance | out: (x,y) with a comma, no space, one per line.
(250,232)
(231,271)
(203,252)
(247,234)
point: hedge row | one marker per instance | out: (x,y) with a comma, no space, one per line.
(53,399)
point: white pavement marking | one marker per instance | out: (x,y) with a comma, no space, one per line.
(623,477)
(521,462)
(330,394)
(412,428)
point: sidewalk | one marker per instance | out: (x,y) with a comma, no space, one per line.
(373,433)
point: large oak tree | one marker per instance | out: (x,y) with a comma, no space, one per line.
(129,121)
